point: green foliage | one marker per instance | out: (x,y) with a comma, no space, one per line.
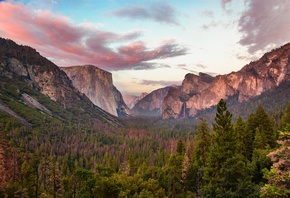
(226,172)
(65,155)
(286,117)
(180,147)
(202,144)
(265,125)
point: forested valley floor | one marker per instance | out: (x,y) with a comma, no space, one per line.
(147,157)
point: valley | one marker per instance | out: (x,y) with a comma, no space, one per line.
(67,132)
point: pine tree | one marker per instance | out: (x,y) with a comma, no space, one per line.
(174,174)
(286,117)
(180,148)
(202,144)
(193,179)
(250,130)
(225,172)
(241,136)
(261,122)
(266,126)
(260,140)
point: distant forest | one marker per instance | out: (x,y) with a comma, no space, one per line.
(146,157)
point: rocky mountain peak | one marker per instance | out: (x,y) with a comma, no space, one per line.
(193,84)
(202,91)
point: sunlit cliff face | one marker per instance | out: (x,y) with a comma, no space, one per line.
(97,85)
(252,80)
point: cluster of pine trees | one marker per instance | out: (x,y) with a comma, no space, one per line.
(241,159)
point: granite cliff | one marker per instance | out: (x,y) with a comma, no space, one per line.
(24,64)
(97,85)
(203,91)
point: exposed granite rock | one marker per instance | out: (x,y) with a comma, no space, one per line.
(97,85)
(151,104)
(32,102)
(200,92)
(25,64)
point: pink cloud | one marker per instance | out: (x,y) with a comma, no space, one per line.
(57,38)
(265,24)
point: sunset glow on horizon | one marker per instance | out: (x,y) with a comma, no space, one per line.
(148,44)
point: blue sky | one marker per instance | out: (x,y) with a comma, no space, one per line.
(149,44)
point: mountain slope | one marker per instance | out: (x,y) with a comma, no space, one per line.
(25,71)
(252,80)
(97,85)
(131,100)
(151,104)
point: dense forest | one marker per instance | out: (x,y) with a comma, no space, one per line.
(146,157)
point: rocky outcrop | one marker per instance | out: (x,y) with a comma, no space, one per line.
(97,85)
(25,64)
(151,104)
(202,91)
(32,102)
(131,100)
(10,112)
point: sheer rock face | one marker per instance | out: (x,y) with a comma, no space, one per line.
(97,85)
(25,64)
(151,104)
(202,91)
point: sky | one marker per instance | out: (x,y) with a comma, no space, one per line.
(148,44)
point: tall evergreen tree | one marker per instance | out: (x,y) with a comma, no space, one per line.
(202,144)
(250,130)
(265,126)
(193,180)
(241,136)
(286,117)
(225,172)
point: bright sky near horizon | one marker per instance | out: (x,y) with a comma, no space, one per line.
(148,44)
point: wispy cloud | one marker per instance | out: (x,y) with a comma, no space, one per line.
(224,4)
(58,38)
(159,83)
(200,65)
(264,24)
(189,69)
(207,13)
(159,12)
(148,66)
(209,25)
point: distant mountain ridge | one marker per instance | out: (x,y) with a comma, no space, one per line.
(150,104)
(131,100)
